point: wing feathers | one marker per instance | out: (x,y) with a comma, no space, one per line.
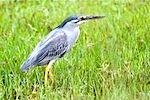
(48,49)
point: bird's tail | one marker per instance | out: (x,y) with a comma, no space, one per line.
(26,65)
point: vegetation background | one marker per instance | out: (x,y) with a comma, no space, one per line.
(110,61)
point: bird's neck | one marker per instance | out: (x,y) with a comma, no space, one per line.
(72,35)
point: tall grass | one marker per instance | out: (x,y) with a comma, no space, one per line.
(110,61)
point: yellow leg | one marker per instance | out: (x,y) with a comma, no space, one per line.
(46,74)
(49,75)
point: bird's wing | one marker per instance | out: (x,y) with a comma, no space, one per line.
(50,48)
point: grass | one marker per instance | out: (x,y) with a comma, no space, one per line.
(110,61)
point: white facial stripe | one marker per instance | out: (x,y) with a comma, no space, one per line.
(74,21)
(80,22)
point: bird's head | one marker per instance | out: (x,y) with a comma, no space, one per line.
(76,20)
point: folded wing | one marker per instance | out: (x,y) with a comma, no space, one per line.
(51,49)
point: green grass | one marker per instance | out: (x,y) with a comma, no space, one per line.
(110,61)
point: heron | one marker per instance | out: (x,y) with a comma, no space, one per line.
(57,43)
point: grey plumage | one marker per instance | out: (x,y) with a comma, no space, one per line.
(57,42)
(47,50)
(52,50)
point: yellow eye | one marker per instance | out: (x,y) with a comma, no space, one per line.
(82,17)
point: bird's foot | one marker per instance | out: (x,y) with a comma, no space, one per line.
(50,77)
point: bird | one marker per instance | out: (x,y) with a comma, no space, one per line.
(56,44)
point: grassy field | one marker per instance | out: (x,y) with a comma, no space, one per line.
(110,61)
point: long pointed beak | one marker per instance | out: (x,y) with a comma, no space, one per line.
(91,17)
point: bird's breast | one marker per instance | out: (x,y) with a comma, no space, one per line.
(72,36)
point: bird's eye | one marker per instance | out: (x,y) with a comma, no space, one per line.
(81,18)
